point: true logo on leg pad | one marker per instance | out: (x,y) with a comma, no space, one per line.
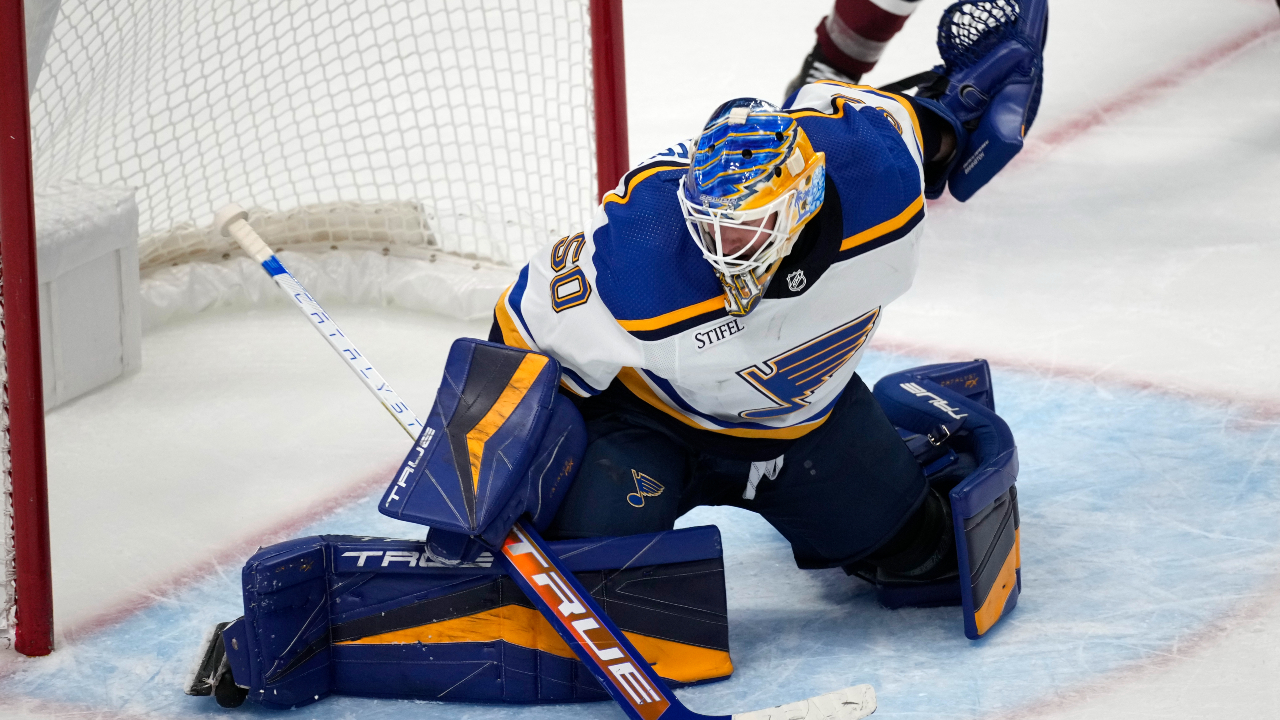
(645,487)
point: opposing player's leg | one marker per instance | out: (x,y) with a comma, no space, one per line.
(851,39)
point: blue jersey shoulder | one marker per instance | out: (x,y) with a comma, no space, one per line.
(649,272)
(867,159)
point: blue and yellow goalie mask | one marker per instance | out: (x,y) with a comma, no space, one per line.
(753,184)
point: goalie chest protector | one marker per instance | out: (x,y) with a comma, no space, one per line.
(633,302)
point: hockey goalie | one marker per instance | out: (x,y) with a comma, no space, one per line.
(697,345)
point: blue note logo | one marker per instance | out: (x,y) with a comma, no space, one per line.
(645,487)
(789,379)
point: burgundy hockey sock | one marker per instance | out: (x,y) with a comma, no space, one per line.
(853,36)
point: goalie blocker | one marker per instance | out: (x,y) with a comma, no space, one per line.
(500,441)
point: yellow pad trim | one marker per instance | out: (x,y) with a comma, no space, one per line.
(680,662)
(636,384)
(675,316)
(517,387)
(885,227)
(527,628)
(993,608)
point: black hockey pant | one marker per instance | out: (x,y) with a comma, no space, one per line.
(843,491)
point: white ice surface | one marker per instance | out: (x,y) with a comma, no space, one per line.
(1138,546)
(238,422)
(1142,250)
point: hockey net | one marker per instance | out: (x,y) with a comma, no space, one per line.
(437,125)
(411,127)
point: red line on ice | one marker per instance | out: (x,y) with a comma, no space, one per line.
(1153,664)
(1253,408)
(1039,144)
(1153,87)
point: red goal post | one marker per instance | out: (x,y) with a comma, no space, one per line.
(512,125)
(26,600)
(610,89)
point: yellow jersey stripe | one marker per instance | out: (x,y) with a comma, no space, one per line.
(517,387)
(631,378)
(675,316)
(885,227)
(511,336)
(612,195)
(915,121)
(527,628)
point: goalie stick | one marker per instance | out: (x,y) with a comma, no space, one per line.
(557,594)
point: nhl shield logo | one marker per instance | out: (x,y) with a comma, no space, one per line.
(796,281)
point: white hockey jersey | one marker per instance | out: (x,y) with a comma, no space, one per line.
(633,301)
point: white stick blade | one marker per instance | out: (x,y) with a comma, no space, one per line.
(850,703)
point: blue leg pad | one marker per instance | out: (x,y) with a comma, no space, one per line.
(380,618)
(957,399)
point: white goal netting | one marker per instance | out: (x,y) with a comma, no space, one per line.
(409,127)
(455,125)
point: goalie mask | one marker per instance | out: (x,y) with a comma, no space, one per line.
(753,183)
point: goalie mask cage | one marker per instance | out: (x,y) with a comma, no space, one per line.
(478,128)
